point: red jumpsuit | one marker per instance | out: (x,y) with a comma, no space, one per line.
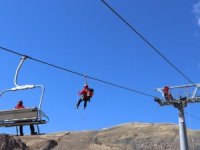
(85,97)
(167,94)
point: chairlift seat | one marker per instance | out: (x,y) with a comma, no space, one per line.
(17,117)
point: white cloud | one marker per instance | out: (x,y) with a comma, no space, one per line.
(196,10)
(199,21)
(198,65)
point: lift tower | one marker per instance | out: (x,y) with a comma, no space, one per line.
(179,97)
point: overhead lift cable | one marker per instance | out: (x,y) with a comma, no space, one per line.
(153,47)
(147,42)
(77,73)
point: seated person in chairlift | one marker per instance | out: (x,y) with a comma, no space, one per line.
(168,96)
(21,106)
(86,94)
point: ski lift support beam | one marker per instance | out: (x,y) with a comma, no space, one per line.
(180,103)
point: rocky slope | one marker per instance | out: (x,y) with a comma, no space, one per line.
(133,136)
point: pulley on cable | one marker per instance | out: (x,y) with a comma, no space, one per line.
(86,94)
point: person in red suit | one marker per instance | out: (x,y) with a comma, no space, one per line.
(167,94)
(86,94)
(21,106)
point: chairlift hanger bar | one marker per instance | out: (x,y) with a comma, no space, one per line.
(23,58)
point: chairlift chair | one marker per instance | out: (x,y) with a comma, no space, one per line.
(25,116)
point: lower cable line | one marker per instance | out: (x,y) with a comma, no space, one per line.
(77,73)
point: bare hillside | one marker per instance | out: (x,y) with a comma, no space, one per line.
(133,136)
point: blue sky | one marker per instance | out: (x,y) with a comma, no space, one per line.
(86,37)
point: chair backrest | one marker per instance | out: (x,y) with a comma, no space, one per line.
(19,114)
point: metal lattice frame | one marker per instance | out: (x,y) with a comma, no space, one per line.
(180,103)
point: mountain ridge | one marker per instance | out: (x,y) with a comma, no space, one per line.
(128,136)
